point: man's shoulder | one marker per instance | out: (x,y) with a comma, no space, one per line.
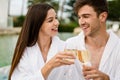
(73,38)
(76,38)
(56,39)
(113,35)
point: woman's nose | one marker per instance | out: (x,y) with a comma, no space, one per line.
(56,22)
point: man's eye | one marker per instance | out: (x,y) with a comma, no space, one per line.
(79,17)
(86,16)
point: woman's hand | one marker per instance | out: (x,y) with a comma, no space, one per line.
(60,59)
(93,73)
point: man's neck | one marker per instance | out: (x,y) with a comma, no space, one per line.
(97,41)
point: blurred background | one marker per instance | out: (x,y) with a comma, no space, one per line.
(12,15)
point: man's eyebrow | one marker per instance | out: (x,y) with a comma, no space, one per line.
(83,15)
(86,14)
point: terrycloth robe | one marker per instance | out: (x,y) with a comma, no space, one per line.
(110,61)
(29,67)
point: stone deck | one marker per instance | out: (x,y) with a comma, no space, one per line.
(10,31)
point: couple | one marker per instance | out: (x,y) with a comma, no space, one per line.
(39,53)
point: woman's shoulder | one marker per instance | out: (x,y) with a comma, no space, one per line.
(31,49)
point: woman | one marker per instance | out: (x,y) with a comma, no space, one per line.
(35,55)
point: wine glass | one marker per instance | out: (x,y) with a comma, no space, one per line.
(68,72)
(84,57)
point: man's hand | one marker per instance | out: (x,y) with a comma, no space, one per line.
(93,73)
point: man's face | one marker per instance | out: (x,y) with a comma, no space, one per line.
(88,20)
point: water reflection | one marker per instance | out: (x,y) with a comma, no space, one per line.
(7,45)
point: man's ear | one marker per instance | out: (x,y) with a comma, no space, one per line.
(103,16)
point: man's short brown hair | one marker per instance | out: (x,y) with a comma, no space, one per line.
(98,5)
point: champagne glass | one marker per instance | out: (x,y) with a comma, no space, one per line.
(69,69)
(84,57)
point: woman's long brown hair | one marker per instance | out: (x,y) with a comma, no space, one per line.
(29,33)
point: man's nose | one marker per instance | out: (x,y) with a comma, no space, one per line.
(82,21)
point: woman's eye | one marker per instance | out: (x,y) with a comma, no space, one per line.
(56,17)
(50,20)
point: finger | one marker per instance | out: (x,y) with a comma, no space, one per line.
(88,68)
(91,76)
(69,54)
(63,61)
(65,56)
(67,61)
(90,72)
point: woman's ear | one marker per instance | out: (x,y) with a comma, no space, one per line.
(103,16)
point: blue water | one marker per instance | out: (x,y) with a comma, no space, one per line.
(7,45)
(3,77)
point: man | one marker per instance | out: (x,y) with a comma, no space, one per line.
(103,46)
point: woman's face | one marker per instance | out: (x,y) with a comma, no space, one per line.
(50,25)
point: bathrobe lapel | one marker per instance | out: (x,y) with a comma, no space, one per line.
(111,44)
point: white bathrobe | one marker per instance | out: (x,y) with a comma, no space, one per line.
(31,63)
(110,61)
(29,67)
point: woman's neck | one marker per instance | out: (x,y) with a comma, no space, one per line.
(44,45)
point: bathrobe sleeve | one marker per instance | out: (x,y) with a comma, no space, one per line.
(25,70)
